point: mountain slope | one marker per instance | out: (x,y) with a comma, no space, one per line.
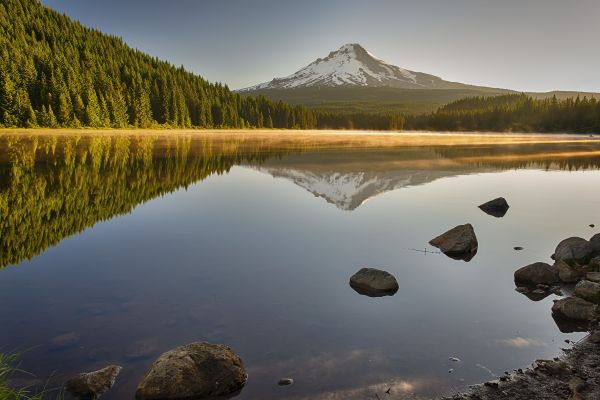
(352,65)
(353,80)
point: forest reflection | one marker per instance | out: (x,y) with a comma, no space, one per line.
(53,186)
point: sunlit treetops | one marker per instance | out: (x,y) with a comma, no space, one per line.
(55,72)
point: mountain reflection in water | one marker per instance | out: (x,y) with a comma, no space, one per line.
(53,186)
(194,240)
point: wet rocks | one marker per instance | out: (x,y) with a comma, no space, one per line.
(197,370)
(574,250)
(92,385)
(497,207)
(595,243)
(568,273)
(595,263)
(536,273)
(576,385)
(374,282)
(588,290)
(593,276)
(551,367)
(459,242)
(574,308)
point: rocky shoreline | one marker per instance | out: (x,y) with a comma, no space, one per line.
(575,374)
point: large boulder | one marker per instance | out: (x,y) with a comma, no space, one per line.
(197,370)
(497,207)
(588,290)
(374,282)
(568,273)
(575,308)
(595,242)
(574,250)
(537,273)
(92,385)
(459,242)
(593,276)
(595,263)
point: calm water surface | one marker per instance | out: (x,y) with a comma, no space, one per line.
(116,249)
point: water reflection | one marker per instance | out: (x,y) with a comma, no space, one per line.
(54,186)
(237,257)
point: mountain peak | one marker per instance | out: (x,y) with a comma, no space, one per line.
(353,65)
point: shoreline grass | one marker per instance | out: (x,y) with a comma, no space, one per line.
(9,367)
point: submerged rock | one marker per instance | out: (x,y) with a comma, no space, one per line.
(574,249)
(575,308)
(141,349)
(92,385)
(197,370)
(374,282)
(285,382)
(459,242)
(497,207)
(64,341)
(535,273)
(588,290)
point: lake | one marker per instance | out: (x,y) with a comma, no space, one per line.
(118,247)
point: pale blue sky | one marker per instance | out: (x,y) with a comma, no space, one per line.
(529,45)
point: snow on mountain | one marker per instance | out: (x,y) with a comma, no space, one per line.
(352,65)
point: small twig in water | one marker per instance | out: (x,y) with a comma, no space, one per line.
(425,251)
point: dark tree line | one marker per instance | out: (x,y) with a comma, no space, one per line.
(513,112)
(54,72)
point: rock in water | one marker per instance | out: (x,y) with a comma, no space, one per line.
(497,207)
(285,382)
(595,263)
(574,308)
(568,273)
(593,276)
(459,242)
(374,282)
(197,370)
(589,291)
(595,243)
(574,249)
(91,385)
(535,273)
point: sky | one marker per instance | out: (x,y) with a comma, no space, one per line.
(527,45)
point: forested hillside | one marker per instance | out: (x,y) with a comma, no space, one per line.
(54,72)
(514,113)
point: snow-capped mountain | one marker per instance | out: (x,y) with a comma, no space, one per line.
(352,65)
